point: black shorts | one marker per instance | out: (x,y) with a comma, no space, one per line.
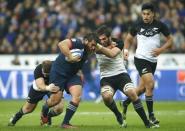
(117,82)
(144,66)
(35,96)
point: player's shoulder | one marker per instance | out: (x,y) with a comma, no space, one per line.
(38,68)
(76,40)
(77,43)
(117,41)
(135,26)
(158,23)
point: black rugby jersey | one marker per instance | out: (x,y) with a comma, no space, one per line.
(38,74)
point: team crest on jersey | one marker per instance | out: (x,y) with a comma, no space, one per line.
(149,32)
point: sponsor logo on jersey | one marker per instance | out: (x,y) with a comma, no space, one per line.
(149,32)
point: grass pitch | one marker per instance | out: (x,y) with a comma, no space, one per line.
(95,117)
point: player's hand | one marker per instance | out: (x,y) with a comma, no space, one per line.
(156,51)
(98,47)
(125,54)
(52,88)
(112,45)
(73,59)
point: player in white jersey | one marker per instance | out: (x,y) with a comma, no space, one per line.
(147,31)
(114,75)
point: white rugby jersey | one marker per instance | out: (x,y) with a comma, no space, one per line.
(148,38)
(111,66)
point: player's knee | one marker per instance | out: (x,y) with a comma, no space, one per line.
(107,96)
(28,109)
(107,93)
(76,99)
(55,101)
(59,110)
(131,93)
(150,85)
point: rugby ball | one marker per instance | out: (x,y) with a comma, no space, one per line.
(76,52)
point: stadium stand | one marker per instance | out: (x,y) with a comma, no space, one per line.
(28,27)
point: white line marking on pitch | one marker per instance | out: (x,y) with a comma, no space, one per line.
(163,113)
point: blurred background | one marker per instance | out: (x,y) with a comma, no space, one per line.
(31,29)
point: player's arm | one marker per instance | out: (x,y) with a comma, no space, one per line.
(167,45)
(109,52)
(43,87)
(129,40)
(64,47)
(40,84)
(169,40)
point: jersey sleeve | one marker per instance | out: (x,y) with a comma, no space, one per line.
(76,43)
(119,43)
(38,72)
(164,29)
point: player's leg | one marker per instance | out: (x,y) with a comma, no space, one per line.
(33,98)
(53,100)
(55,111)
(74,88)
(127,87)
(146,71)
(130,92)
(27,108)
(140,89)
(107,93)
(76,92)
(59,81)
(149,84)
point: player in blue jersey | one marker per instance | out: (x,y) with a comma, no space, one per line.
(64,74)
(38,90)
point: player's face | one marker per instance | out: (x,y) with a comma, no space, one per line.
(90,45)
(104,40)
(147,16)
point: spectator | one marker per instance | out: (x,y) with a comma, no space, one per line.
(16,60)
(33,27)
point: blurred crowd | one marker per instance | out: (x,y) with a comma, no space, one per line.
(36,26)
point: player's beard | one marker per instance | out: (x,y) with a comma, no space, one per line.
(90,51)
(107,43)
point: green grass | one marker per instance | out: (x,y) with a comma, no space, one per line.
(95,117)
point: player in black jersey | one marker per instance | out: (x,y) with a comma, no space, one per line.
(148,32)
(64,74)
(39,88)
(114,76)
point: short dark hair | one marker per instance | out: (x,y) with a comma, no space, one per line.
(46,66)
(91,36)
(103,30)
(148,6)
